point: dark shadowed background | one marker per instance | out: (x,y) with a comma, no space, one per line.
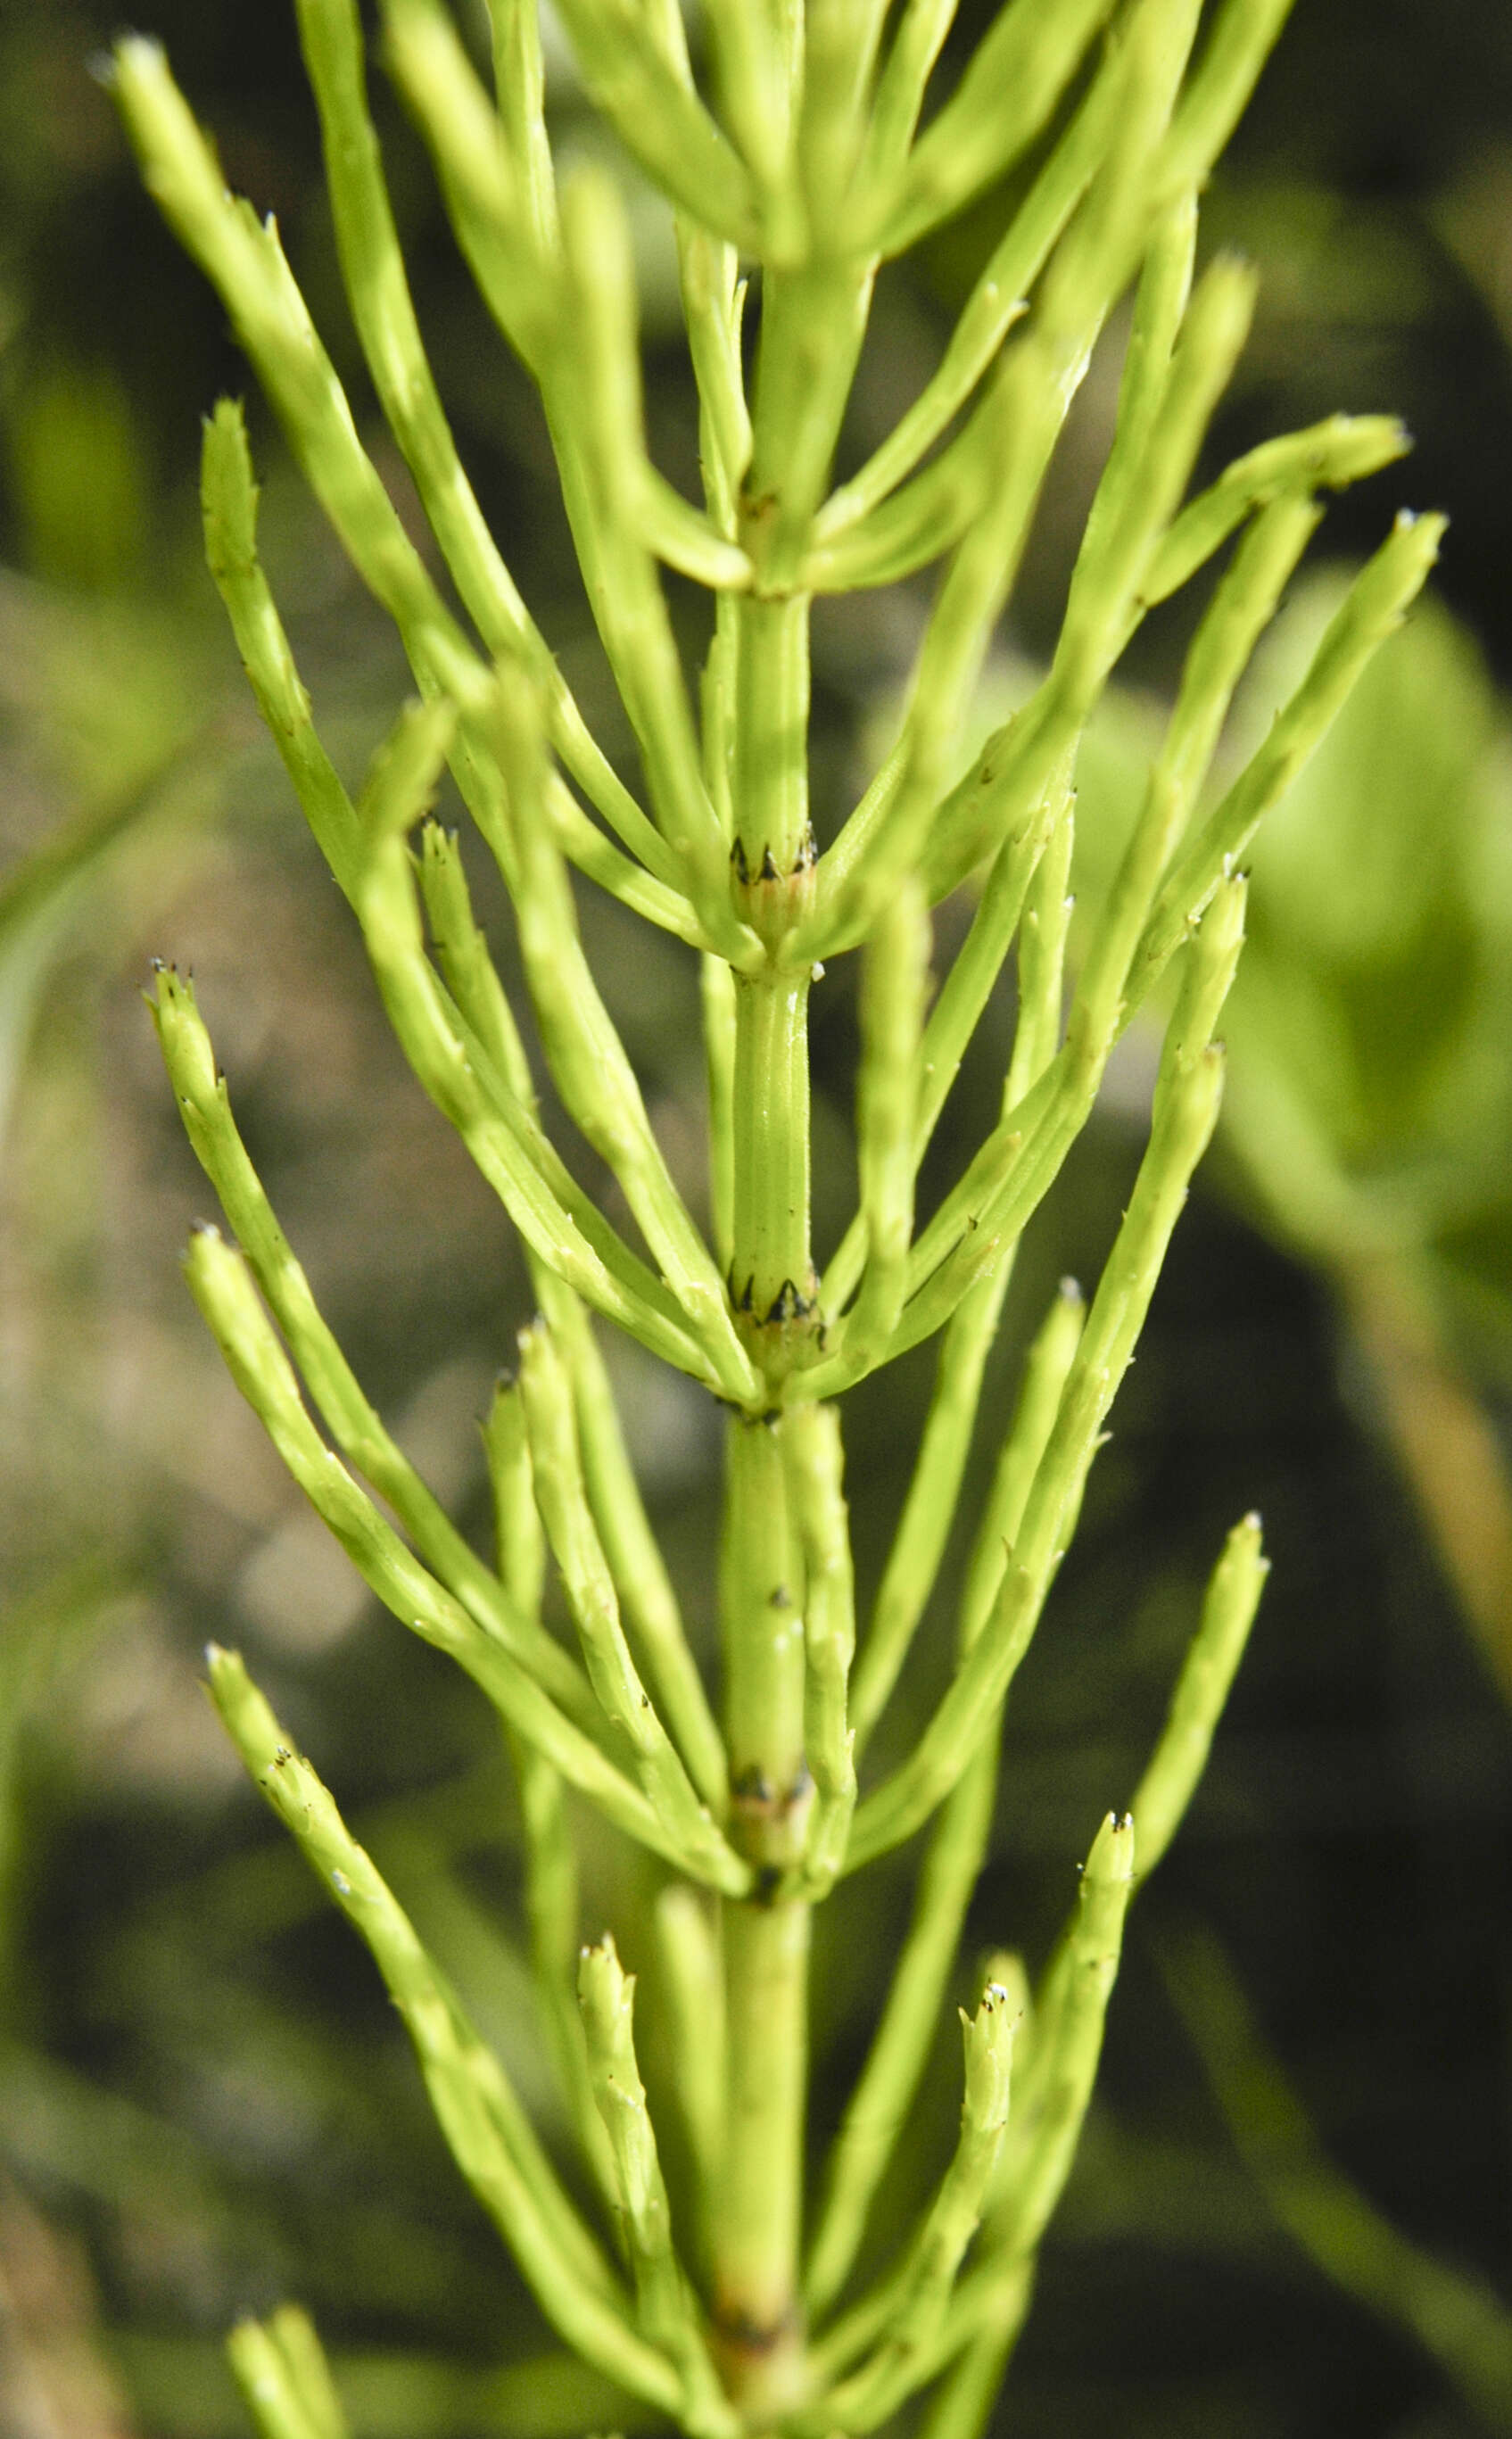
(205,2102)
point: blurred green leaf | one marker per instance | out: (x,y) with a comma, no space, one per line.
(77,472)
(1369,1108)
(1376,992)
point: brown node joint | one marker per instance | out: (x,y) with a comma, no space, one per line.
(741,2335)
(773,884)
(767,1824)
(789,1304)
(784,1334)
(768,870)
(757,509)
(753,1788)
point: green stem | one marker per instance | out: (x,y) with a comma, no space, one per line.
(758,2208)
(771,745)
(771,1278)
(803,370)
(755,2217)
(761,1593)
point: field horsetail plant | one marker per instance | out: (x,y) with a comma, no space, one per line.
(799,150)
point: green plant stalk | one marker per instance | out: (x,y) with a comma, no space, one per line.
(895,982)
(1166,1787)
(717,995)
(640,1575)
(483,2121)
(712,296)
(812,323)
(967,2397)
(1046,839)
(918,1544)
(984,1216)
(552,1917)
(756,2215)
(505,1146)
(645,1588)
(1048,1362)
(1371,611)
(599,371)
(1186,1109)
(899,2048)
(772,1283)
(669,132)
(756,2223)
(1036,1127)
(278,2366)
(519,1544)
(1218,1646)
(557,1220)
(809,163)
(1014,82)
(373,270)
(204,1104)
(917,2295)
(588,1062)
(996,302)
(932,1494)
(550,1863)
(895,2061)
(1031,2171)
(519,90)
(756,2218)
(1006,775)
(1071,2046)
(546,1394)
(1020,419)
(549,1859)
(688,1945)
(219,1281)
(1159,1806)
(665,2300)
(620,509)
(817,1497)
(989,2308)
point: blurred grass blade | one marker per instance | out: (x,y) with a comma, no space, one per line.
(1452,2314)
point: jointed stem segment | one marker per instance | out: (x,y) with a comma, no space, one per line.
(792,158)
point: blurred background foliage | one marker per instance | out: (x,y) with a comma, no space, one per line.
(204,2103)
